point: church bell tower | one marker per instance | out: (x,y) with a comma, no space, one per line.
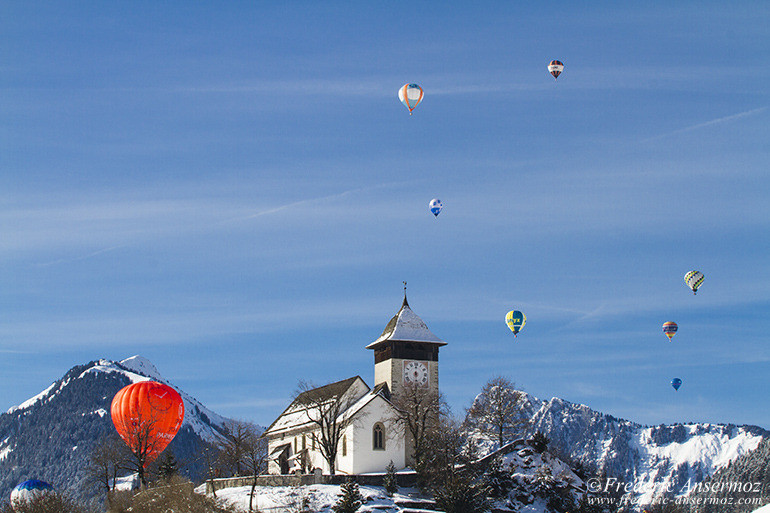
(406,352)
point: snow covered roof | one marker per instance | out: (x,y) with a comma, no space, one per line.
(297,415)
(408,327)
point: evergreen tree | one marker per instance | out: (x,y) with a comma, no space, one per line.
(460,494)
(539,441)
(350,500)
(390,482)
(498,479)
(168,466)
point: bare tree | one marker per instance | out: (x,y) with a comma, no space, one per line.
(497,410)
(210,458)
(107,460)
(232,444)
(418,410)
(243,449)
(144,444)
(325,408)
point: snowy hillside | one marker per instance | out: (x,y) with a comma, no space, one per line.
(527,481)
(51,435)
(136,368)
(651,458)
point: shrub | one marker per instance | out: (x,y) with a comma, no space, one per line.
(350,500)
(390,481)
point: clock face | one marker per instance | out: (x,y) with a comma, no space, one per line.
(415,372)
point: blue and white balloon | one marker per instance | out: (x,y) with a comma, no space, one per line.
(435,206)
(29,491)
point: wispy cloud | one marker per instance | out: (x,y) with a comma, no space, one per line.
(81,257)
(718,121)
(309,201)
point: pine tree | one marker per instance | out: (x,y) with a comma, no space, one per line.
(390,481)
(168,467)
(539,441)
(351,498)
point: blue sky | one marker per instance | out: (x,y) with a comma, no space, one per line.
(234,192)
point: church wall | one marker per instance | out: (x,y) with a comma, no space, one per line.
(366,458)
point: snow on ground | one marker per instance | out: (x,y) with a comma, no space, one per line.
(5,450)
(763,509)
(320,498)
(130,482)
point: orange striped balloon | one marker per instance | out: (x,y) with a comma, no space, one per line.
(147,416)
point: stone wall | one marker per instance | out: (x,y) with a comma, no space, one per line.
(407,480)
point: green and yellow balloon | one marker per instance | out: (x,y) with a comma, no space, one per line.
(515,320)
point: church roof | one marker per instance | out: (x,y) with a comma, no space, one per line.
(295,415)
(408,327)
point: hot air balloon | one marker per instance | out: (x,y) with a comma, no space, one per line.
(435,206)
(147,416)
(694,279)
(515,320)
(555,68)
(29,491)
(410,95)
(669,328)
(676,383)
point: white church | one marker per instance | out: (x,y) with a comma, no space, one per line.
(406,351)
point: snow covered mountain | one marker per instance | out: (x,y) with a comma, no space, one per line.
(653,459)
(51,435)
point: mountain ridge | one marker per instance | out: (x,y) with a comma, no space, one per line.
(654,458)
(51,435)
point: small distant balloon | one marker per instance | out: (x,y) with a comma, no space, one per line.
(435,206)
(694,279)
(515,321)
(410,95)
(676,383)
(555,68)
(29,491)
(669,328)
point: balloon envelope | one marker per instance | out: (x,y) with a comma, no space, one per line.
(669,328)
(435,206)
(515,321)
(29,490)
(676,383)
(694,279)
(410,95)
(147,416)
(555,68)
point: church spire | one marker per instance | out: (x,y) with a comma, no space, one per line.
(406,326)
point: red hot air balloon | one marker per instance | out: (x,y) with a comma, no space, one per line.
(147,416)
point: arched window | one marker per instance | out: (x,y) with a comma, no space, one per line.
(344,445)
(378,437)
